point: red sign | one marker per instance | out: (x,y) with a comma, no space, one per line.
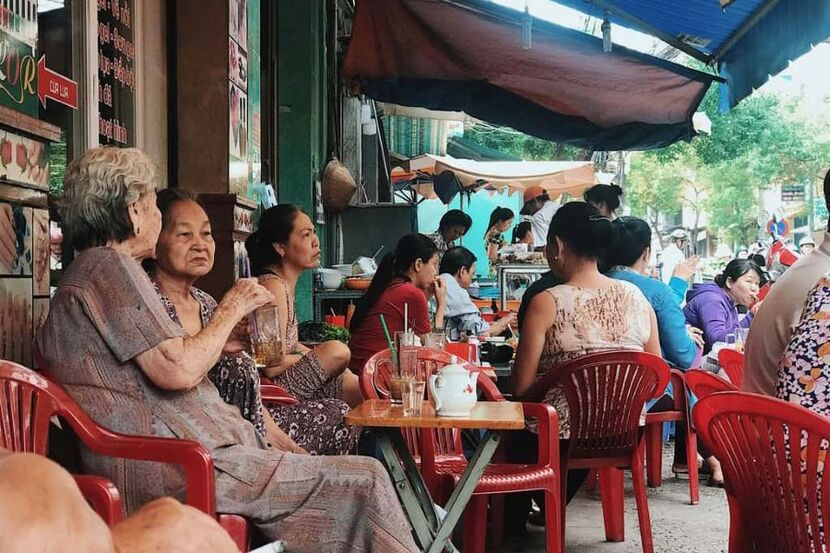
(55,86)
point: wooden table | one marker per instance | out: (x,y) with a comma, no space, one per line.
(386,420)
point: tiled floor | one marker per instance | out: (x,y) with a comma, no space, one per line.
(676,525)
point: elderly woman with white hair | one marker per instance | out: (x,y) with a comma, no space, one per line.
(110,342)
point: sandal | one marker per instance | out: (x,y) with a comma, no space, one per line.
(715,483)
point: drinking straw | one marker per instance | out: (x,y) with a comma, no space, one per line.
(389,339)
(406,318)
(333,314)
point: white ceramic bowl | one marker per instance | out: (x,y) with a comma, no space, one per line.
(345,270)
(331,279)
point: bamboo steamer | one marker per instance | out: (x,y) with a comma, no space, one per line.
(338,187)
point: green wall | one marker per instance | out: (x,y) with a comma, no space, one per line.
(302,119)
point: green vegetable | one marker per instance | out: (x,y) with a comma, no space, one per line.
(313,332)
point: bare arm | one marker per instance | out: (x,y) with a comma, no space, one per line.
(500,326)
(540,317)
(492,251)
(181,363)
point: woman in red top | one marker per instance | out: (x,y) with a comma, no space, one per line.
(407,276)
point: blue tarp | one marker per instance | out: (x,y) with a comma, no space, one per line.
(785,32)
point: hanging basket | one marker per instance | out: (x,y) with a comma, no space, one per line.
(338,187)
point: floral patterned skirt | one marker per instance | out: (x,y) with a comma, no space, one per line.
(317,422)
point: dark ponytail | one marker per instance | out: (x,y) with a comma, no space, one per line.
(410,248)
(275,227)
(582,228)
(631,238)
(604,194)
(735,269)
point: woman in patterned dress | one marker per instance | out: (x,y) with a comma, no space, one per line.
(281,250)
(115,350)
(587,314)
(804,369)
(316,425)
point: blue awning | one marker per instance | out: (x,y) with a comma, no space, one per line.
(748,40)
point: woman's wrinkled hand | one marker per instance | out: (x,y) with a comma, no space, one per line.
(240,338)
(245,296)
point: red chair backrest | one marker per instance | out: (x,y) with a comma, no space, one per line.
(28,401)
(732,363)
(703,383)
(606,393)
(374,383)
(462,350)
(773,495)
(374,379)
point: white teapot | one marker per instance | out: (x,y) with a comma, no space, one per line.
(453,390)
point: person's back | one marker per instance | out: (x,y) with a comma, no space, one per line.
(593,320)
(775,321)
(369,338)
(677,346)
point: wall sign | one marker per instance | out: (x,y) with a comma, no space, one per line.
(792,193)
(55,86)
(116,73)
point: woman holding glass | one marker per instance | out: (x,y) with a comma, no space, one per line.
(185,253)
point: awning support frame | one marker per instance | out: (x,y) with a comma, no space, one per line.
(743,29)
(654,31)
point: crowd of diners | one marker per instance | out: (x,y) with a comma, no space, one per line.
(146,352)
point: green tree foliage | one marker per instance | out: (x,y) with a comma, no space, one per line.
(763,141)
(523,146)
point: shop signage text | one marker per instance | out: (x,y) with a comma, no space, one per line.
(18,73)
(55,86)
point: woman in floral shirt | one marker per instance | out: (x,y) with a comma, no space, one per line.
(501,219)
(804,370)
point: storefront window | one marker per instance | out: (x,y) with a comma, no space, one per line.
(116,72)
(60,36)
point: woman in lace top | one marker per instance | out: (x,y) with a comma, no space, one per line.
(587,314)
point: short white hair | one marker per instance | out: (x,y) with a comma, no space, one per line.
(98,188)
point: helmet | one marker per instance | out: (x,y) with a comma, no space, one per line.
(679,234)
(807,241)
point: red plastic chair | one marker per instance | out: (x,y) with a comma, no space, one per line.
(277,395)
(606,393)
(375,383)
(732,363)
(462,350)
(703,383)
(776,500)
(680,414)
(28,401)
(443,462)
